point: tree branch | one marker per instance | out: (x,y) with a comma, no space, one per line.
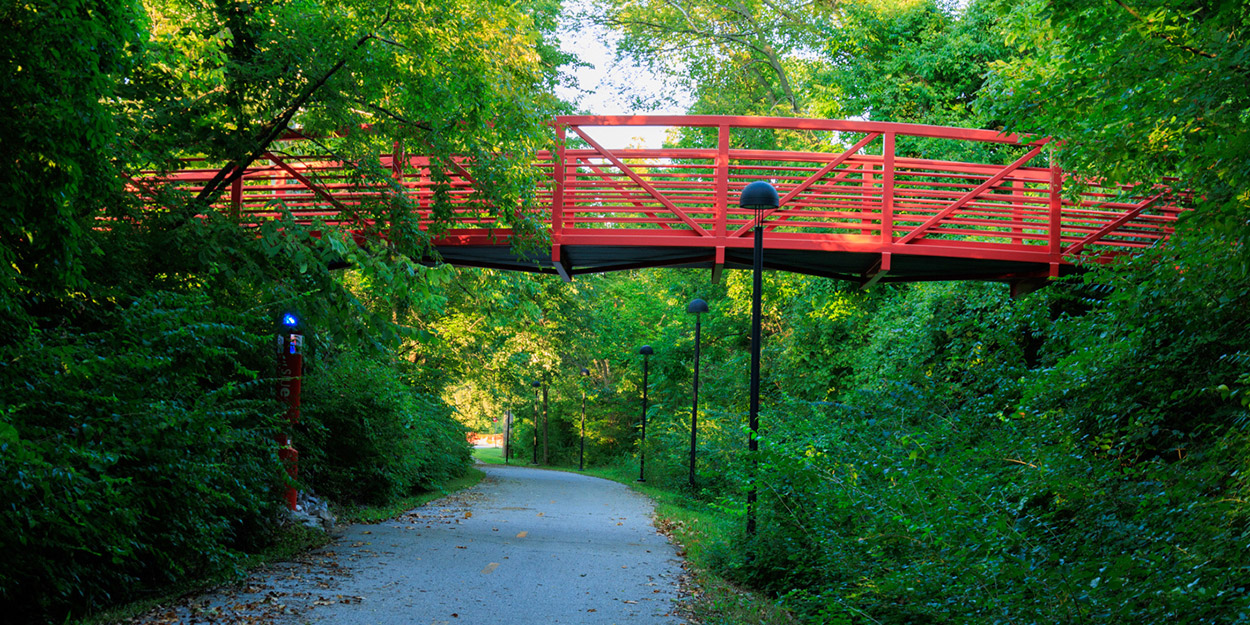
(393,115)
(1168,38)
(270,132)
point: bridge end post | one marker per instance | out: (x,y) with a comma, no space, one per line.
(1020,288)
(561,263)
(236,198)
(879,270)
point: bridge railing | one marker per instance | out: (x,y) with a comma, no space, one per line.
(313,186)
(862,191)
(853,189)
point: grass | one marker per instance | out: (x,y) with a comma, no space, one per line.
(489,455)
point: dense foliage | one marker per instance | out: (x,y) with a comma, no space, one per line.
(934,453)
(942,453)
(369,436)
(137,369)
(121,467)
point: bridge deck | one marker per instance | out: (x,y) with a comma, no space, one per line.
(858,211)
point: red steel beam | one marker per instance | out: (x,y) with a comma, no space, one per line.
(642,183)
(1076,248)
(790,123)
(987,212)
(982,188)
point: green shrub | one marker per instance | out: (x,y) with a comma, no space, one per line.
(367,437)
(134,455)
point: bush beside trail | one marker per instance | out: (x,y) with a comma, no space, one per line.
(134,455)
(367,437)
(1078,456)
(139,454)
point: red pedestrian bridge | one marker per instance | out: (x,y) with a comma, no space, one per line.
(863,205)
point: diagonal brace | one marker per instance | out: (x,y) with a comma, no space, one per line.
(811,180)
(629,196)
(642,183)
(306,182)
(878,270)
(1132,214)
(971,195)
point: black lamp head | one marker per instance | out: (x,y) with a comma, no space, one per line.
(536,384)
(696,306)
(585,371)
(646,350)
(759,195)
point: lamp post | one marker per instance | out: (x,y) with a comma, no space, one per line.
(535,384)
(507,436)
(646,352)
(581,454)
(696,308)
(758,197)
(546,458)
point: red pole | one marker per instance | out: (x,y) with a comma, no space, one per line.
(290,372)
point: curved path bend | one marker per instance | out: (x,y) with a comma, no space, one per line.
(525,546)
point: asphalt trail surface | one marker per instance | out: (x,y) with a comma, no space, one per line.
(525,546)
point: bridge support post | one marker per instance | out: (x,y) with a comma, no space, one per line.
(561,262)
(718,264)
(1020,288)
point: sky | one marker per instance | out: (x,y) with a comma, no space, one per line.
(611,88)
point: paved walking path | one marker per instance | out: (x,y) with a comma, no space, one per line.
(525,546)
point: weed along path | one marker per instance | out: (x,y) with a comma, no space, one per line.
(523,547)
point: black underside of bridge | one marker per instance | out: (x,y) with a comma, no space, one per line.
(853,266)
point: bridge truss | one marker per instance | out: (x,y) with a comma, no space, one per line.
(864,205)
